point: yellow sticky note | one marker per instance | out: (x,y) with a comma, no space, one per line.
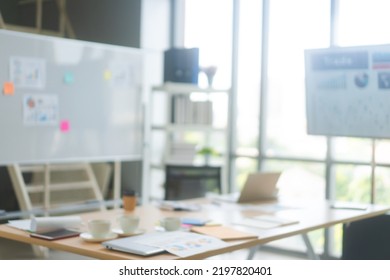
(107,75)
(8,88)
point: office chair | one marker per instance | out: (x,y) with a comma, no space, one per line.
(187,181)
(367,239)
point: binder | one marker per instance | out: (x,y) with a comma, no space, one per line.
(181,65)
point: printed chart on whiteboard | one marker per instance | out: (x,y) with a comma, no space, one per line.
(348,91)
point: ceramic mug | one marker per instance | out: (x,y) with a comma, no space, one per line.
(128,223)
(170,223)
(99,228)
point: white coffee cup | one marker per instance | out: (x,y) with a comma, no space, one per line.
(170,223)
(99,228)
(128,223)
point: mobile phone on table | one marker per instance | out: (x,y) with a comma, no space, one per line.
(55,234)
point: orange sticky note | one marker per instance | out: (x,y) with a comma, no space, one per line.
(8,88)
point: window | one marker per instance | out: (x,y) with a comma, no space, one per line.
(291,31)
(313,164)
(248,81)
(208,27)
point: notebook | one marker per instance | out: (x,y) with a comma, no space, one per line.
(130,245)
(257,187)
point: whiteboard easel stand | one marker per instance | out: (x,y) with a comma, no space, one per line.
(24,201)
(22,193)
(20,187)
(46,187)
(64,25)
(22,190)
(117,183)
(2,23)
(373,166)
(95,186)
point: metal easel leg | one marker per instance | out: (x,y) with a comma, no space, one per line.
(95,187)
(117,183)
(24,201)
(309,247)
(252,252)
(310,251)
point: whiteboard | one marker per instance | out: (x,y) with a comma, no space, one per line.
(348,91)
(66,100)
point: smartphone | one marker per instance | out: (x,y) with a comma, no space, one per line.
(55,234)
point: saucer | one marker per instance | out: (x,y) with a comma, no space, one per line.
(121,233)
(86,236)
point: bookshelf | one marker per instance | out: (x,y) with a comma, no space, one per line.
(184,119)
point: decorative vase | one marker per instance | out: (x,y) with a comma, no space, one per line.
(210,73)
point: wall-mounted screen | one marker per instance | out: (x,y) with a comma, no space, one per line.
(348,91)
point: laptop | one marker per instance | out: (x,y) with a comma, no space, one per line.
(258,187)
(132,246)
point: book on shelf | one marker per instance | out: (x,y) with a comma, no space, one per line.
(181,152)
(186,111)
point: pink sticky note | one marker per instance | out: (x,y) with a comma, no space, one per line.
(64,126)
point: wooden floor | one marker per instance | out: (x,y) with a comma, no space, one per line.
(12,250)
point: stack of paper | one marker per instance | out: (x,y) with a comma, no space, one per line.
(42,224)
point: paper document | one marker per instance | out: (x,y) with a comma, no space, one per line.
(52,223)
(42,224)
(183,244)
(21,224)
(178,206)
(266,221)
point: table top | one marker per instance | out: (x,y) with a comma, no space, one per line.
(311,216)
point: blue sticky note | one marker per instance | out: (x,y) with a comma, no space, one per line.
(193,221)
(68,78)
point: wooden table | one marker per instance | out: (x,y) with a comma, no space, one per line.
(311,216)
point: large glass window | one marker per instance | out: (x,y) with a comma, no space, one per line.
(363,22)
(359,23)
(248,79)
(344,149)
(208,26)
(285,145)
(291,31)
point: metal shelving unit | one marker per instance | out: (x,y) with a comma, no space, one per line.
(178,132)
